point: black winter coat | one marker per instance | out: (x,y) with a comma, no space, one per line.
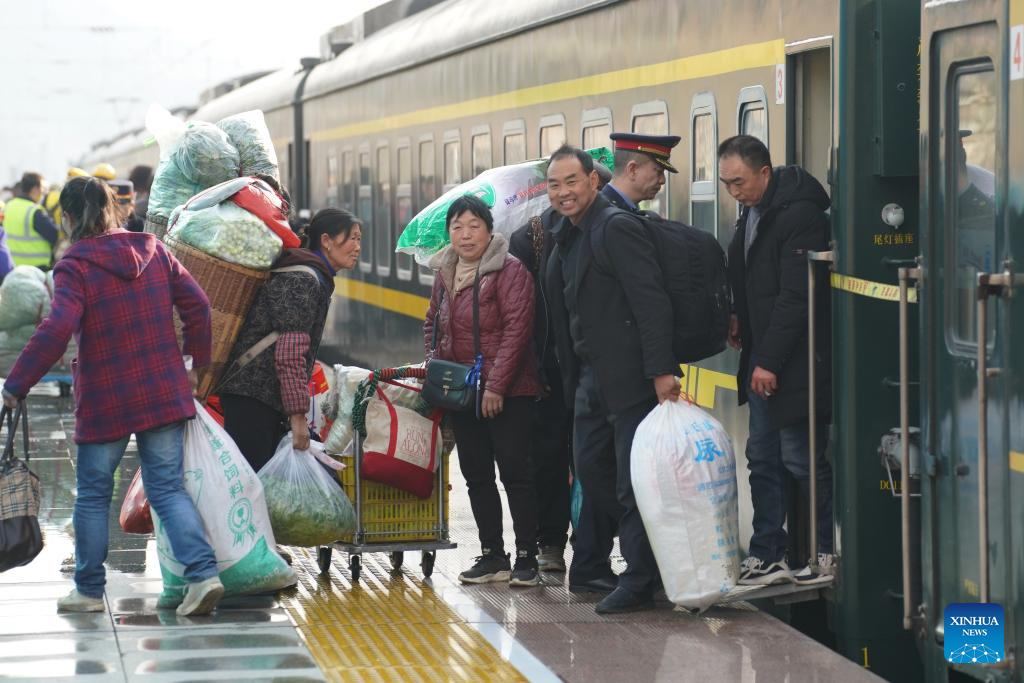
(521,246)
(624,311)
(770,294)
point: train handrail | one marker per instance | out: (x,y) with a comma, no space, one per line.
(905,276)
(813,257)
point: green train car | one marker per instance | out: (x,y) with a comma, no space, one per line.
(902,109)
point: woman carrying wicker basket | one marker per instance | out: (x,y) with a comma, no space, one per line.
(265,390)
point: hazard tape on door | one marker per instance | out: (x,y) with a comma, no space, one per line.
(875,290)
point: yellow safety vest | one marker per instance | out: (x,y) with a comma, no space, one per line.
(28,248)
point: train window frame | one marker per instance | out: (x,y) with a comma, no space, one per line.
(350,190)
(476,133)
(704,191)
(748,99)
(383,207)
(595,118)
(365,192)
(403,191)
(956,344)
(333,177)
(451,137)
(655,108)
(424,275)
(550,121)
(515,127)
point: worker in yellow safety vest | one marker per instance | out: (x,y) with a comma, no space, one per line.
(29,232)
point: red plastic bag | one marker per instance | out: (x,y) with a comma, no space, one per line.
(261,201)
(135,516)
(215,410)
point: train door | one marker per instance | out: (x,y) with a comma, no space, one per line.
(809,113)
(965,331)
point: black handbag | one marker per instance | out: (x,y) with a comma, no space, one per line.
(450,385)
(20,537)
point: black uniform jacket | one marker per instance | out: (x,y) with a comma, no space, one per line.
(770,294)
(624,312)
(615,199)
(521,245)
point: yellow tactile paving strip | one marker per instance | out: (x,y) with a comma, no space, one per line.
(386,628)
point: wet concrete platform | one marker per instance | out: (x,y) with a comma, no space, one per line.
(388,626)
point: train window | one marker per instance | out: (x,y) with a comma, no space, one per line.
(403,206)
(348,187)
(426,193)
(332,178)
(971,178)
(382,228)
(703,166)
(752,113)
(481,150)
(552,134)
(651,118)
(364,209)
(514,141)
(596,125)
(452,160)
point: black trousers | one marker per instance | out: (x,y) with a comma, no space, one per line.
(551,463)
(504,439)
(255,427)
(602,445)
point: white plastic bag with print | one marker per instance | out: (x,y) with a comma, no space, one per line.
(684,477)
(229,497)
(347,379)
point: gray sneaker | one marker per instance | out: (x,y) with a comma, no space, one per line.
(551,558)
(201,597)
(823,573)
(76,602)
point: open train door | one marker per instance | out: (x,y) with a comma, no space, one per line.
(966,321)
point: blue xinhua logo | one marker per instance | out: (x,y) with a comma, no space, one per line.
(973,633)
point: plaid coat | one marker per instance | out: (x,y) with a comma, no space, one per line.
(115,293)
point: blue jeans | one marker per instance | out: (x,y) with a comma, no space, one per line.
(771,452)
(161,452)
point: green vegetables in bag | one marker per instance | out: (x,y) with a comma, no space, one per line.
(230,233)
(249,134)
(307,506)
(205,155)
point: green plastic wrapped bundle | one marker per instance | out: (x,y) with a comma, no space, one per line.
(230,233)
(249,134)
(205,155)
(514,193)
(24,298)
(170,189)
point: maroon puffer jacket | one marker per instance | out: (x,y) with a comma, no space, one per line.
(506,319)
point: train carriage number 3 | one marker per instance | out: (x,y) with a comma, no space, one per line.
(1016,52)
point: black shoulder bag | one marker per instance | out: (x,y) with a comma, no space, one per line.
(454,386)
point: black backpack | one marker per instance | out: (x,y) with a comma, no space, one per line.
(693,266)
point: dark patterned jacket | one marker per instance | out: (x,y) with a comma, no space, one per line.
(294,305)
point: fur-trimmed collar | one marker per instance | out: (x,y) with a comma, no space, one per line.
(493,260)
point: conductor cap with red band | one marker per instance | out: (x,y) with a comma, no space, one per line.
(658,147)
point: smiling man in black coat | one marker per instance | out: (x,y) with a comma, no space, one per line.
(612,321)
(783,217)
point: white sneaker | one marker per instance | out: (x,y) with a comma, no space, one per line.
(76,602)
(201,597)
(754,572)
(824,573)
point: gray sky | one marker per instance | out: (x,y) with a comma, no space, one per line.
(78,72)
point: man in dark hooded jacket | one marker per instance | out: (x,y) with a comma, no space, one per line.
(784,216)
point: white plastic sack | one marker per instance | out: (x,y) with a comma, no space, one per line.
(307,507)
(684,478)
(228,232)
(343,393)
(24,298)
(229,497)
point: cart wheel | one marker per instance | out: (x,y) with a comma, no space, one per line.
(354,566)
(427,563)
(65,389)
(323,558)
(396,560)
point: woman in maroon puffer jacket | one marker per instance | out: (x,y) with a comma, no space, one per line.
(509,377)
